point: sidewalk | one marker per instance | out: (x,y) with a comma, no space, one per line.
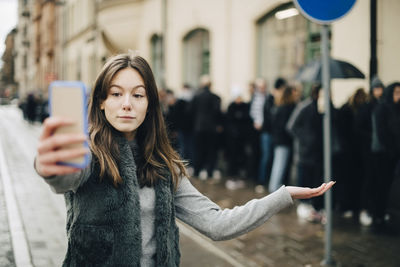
(6,252)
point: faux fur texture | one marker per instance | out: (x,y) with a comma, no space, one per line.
(103,222)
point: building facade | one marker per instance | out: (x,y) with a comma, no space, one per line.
(8,69)
(233,41)
(35,46)
(24,60)
(78,41)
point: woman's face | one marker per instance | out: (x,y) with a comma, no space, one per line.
(377,92)
(396,95)
(126,104)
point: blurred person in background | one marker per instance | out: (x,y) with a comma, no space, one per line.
(42,108)
(284,104)
(22,107)
(259,92)
(122,208)
(364,125)
(31,108)
(266,144)
(172,116)
(237,128)
(207,116)
(305,125)
(386,127)
(297,92)
(350,159)
(185,125)
(162,94)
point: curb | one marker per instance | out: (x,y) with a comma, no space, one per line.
(20,246)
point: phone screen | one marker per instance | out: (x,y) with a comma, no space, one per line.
(68,99)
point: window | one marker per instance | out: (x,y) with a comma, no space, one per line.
(284,43)
(157,58)
(196,57)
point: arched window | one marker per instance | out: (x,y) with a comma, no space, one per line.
(285,41)
(156,58)
(196,57)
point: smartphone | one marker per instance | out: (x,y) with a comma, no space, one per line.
(68,99)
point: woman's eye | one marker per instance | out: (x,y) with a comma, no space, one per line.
(138,95)
(115,94)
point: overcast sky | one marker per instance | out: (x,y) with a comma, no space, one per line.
(8,20)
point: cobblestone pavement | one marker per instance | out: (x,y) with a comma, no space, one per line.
(286,241)
(282,241)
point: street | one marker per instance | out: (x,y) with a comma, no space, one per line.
(32,221)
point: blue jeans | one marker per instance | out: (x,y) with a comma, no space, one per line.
(266,154)
(281,158)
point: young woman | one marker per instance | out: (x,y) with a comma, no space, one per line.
(121,209)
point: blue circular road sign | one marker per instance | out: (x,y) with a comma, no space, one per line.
(324,11)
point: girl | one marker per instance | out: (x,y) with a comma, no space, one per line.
(121,209)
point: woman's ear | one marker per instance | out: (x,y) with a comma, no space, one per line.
(102,106)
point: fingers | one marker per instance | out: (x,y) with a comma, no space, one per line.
(56,141)
(49,170)
(62,155)
(54,148)
(321,189)
(52,123)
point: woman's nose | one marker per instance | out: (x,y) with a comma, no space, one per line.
(127,105)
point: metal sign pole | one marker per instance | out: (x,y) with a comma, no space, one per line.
(325,12)
(327,143)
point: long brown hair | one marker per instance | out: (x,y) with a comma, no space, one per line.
(286,97)
(358,98)
(157,154)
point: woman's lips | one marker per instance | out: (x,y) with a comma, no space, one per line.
(126,117)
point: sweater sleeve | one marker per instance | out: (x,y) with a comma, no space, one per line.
(209,219)
(61,184)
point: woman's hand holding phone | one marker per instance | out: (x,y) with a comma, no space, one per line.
(55,148)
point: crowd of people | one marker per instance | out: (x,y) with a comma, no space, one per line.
(277,138)
(34,108)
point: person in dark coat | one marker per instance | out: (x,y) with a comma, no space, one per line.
(185,125)
(237,127)
(386,128)
(266,144)
(31,108)
(172,117)
(282,141)
(349,164)
(305,125)
(206,110)
(363,127)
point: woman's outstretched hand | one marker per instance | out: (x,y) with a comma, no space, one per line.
(51,148)
(306,192)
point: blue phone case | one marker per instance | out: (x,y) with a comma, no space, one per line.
(81,85)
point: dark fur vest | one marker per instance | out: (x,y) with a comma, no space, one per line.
(103,222)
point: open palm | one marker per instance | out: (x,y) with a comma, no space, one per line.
(306,192)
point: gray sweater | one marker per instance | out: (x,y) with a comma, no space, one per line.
(194,209)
